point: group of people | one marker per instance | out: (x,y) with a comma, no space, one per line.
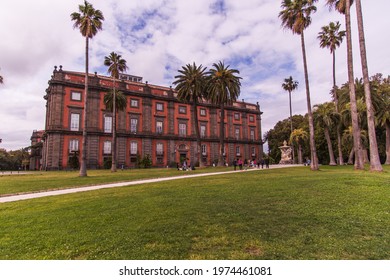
(237,162)
(251,163)
(185,166)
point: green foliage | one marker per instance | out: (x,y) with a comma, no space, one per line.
(325,114)
(281,132)
(116,64)
(73,161)
(88,20)
(14,160)
(107,163)
(190,83)
(120,100)
(146,162)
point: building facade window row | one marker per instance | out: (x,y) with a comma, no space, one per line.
(154,123)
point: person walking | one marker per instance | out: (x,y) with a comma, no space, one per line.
(240,163)
(235,164)
(266,162)
(245,164)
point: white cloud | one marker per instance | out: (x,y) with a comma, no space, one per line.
(158,37)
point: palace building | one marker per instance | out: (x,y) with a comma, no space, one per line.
(155,124)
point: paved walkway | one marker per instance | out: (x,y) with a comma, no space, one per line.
(122,184)
(9,173)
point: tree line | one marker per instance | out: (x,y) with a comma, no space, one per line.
(329,120)
(14,160)
(296,16)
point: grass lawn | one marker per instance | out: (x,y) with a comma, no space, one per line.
(291,213)
(43,181)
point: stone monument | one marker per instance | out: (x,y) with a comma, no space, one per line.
(285,154)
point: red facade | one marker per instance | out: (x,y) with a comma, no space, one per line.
(155,124)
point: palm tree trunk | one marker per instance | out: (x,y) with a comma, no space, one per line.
(354,113)
(375,163)
(336,102)
(365,156)
(113,147)
(330,149)
(387,142)
(198,139)
(291,126)
(340,151)
(313,151)
(300,161)
(221,136)
(350,157)
(83,164)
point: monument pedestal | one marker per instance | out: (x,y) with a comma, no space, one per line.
(286,154)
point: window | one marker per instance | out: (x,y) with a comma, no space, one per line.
(159,107)
(159,127)
(107,124)
(107,147)
(74,122)
(74,145)
(202,130)
(182,109)
(238,150)
(203,112)
(251,118)
(237,116)
(134,103)
(76,95)
(252,134)
(159,149)
(237,133)
(133,148)
(182,129)
(204,150)
(133,125)
(253,151)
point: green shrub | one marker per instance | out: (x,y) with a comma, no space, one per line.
(107,163)
(73,161)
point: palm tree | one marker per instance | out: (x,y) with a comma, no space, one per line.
(116,65)
(325,115)
(343,7)
(223,88)
(296,17)
(384,112)
(375,163)
(120,105)
(290,85)
(89,22)
(299,136)
(331,37)
(190,87)
(348,138)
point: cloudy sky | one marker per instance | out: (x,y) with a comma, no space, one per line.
(157,37)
